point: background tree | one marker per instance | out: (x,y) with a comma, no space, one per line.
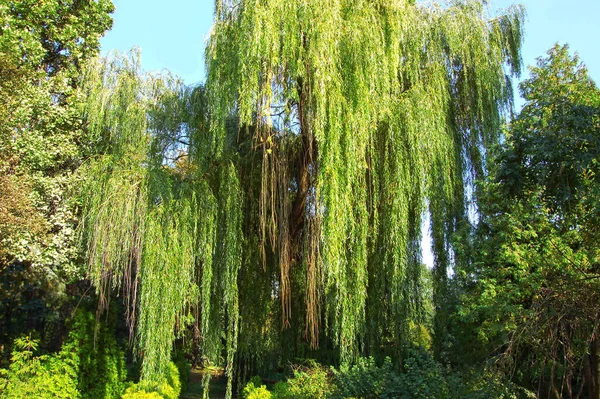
(43,48)
(533,283)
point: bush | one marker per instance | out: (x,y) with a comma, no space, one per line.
(255,390)
(133,393)
(183,368)
(309,382)
(80,369)
(102,371)
(281,390)
(471,384)
(173,381)
(38,377)
(365,380)
(170,388)
(423,378)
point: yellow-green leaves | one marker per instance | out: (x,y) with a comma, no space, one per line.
(394,103)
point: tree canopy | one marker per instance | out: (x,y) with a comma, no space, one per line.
(534,282)
(275,213)
(325,132)
(44,47)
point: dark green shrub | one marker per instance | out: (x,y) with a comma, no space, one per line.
(183,368)
(280,390)
(367,380)
(102,370)
(423,378)
(476,384)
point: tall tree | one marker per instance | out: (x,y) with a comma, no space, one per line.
(43,47)
(292,215)
(365,113)
(534,280)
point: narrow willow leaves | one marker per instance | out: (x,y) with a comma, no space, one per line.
(151,225)
(228,259)
(389,106)
(280,206)
(116,197)
(167,281)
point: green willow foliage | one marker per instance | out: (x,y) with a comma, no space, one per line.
(151,226)
(136,234)
(281,207)
(366,115)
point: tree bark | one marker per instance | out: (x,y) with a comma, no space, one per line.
(595,369)
(305,158)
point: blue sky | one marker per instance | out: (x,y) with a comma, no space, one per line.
(575,22)
(172,34)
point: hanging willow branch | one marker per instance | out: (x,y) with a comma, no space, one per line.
(387,106)
(149,225)
(284,202)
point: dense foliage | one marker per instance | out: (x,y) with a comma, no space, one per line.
(305,186)
(44,47)
(90,364)
(421,377)
(43,50)
(365,115)
(168,388)
(276,213)
(532,287)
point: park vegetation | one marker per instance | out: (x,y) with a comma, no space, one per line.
(270,221)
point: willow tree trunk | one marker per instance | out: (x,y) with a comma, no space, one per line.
(591,370)
(594,382)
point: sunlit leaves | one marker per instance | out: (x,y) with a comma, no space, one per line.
(533,282)
(401,101)
(166,232)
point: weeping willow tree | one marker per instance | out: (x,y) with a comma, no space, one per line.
(366,116)
(281,208)
(151,225)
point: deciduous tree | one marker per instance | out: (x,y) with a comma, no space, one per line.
(535,275)
(325,131)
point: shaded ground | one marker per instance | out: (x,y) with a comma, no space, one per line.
(195,387)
